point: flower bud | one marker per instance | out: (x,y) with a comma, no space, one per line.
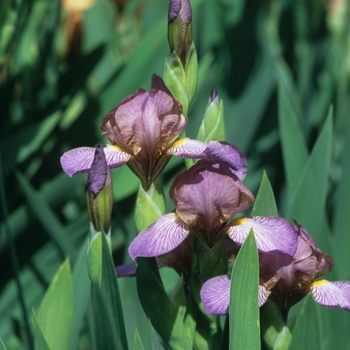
(212,127)
(99,193)
(181,65)
(180,28)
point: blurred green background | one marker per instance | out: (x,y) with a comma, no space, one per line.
(280,66)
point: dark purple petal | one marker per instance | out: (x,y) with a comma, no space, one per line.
(160,238)
(215,295)
(263,295)
(126,270)
(228,154)
(272,234)
(207,195)
(98,173)
(187,148)
(331,294)
(77,160)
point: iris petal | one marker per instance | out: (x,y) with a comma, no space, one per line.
(187,148)
(332,294)
(228,154)
(215,295)
(160,238)
(263,295)
(272,234)
(77,160)
(115,157)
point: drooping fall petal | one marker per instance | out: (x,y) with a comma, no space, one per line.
(215,295)
(331,294)
(79,160)
(272,234)
(160,238)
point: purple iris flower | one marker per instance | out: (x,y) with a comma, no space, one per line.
(142,130)
(207,196)
(286,280)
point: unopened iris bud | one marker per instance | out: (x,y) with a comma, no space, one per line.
(212,127)
(180,28)
(181,65)
(99,193)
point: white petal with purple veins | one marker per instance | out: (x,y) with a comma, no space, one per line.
(187,148)
(160,238)
(115,157)
(272,234)
(331,294)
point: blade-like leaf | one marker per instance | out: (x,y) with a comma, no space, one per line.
(308,202)
(244,306)
(82,286)
(40,341)
(137,341)
(108,313)
(265,203)
(45,215)
(56,311)
(307,331)
(293,145)
(165,317)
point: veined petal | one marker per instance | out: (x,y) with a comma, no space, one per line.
(263,295)
(272,234)
(187,148)
(331,294)
(160,238)
(215,295)
(77,160)
(228,154)
(115,157)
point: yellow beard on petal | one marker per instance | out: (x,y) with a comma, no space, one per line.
(318,283)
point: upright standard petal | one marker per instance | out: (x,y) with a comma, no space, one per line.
(160,238)
(272,234)
(228,154)
(215,295)
(206,196)
(331,294)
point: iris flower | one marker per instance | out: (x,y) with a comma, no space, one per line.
(142,130)
(207,196)
(286,280)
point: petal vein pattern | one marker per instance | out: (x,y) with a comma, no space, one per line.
(272,234)
(160,238)
(332,294)
(77,160)
(115,157)
(187,148)
(215,294)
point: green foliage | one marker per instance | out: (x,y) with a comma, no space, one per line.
(244,307)
(62,70)
(54,323)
